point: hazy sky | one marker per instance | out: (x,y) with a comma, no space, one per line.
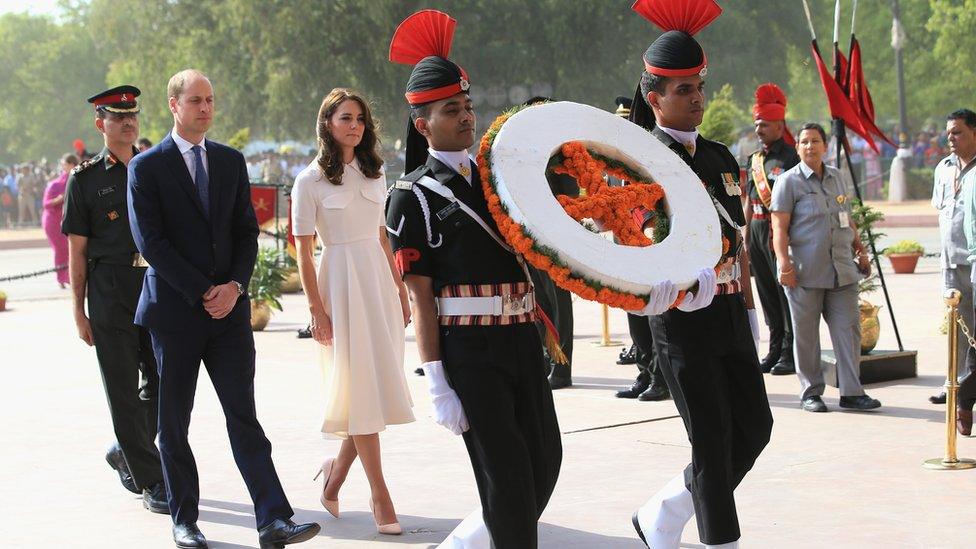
(33,6)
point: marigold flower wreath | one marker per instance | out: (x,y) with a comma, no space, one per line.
(611,206)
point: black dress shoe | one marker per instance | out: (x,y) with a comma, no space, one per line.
(419,372)
(188,536)
(813,404)
(767,363)
(116,461)
(283,532)
(863,402)
(657,391)
(635,390)
(155,499)
(305,333)
(628,356)
(784,367)
(938,399)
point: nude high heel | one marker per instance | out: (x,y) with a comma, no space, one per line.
(332,506)
(392,529)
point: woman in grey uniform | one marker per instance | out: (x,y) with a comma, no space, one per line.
(816,242)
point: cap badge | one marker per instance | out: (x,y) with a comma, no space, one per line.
(124,98)
(465,84)
(703,72)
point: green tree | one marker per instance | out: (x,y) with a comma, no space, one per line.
(46,72)
(723,117)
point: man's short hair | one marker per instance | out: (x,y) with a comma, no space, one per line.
(652,82)
(144,142)
(967,116)
(420,111)
(814,126)
(177,82)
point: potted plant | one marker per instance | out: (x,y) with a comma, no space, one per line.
(864,219)
(904,255)
(264,289)
(3,301)
(292,283)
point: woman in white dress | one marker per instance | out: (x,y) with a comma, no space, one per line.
(358,303)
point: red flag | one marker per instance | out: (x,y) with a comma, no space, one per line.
(264,200)
(840,106)
(859,95)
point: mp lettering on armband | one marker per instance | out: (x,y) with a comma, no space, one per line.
(404,257)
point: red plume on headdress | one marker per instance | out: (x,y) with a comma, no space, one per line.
(688,16)
(79,144)
(425,33)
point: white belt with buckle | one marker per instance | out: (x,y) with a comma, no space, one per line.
(496,305)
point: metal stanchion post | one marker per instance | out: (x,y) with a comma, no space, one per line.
(605,340)
(950,461)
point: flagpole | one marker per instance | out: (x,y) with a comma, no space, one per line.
(842,145)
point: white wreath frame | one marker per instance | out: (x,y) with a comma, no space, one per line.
(519,156)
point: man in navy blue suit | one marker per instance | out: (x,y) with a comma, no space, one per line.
(192,220)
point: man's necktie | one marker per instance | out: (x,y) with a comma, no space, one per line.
(690,147)
(201,179)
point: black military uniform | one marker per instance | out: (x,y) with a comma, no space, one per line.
(556,302)
(494,362)
(649,385)
(707,356)
(95,207)
(776,158)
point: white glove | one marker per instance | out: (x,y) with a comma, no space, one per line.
(447,406)
(706,292)
(754,326)
(662,296)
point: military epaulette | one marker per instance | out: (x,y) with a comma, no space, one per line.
(405,182)
(86,164)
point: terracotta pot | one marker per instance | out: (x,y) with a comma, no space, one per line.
(904,263)
(260,315)
(870,326)
(292,284)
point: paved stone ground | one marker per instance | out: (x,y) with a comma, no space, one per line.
(839,480)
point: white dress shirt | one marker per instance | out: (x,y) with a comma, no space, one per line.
(186,149)
(688,139)
(455,160)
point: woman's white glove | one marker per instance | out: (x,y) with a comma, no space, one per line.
(447,406)
(754,326)
(662,296)
(706,292)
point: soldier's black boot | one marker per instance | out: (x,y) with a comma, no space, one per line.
(640,385)
(628,356)
(561,377)
(117,462)
(658,390)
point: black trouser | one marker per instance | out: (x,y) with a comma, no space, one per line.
(709,362)
(123,350)
(499,375)
(762,264)
(227,351)
(557,303)
(648,367)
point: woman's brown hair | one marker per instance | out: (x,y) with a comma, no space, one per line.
(330,155)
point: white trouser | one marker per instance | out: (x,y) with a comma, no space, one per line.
(663,517)
(470,534)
